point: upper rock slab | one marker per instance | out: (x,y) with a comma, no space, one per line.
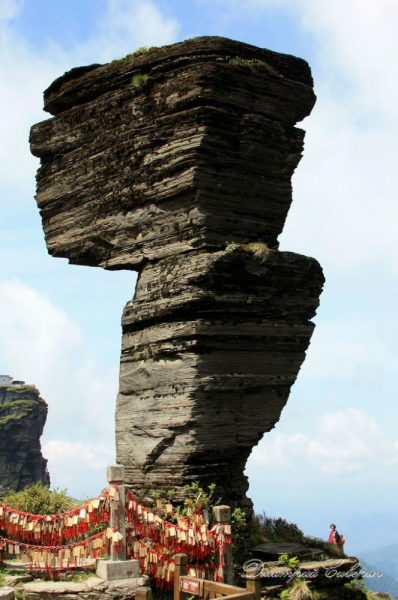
(169,150)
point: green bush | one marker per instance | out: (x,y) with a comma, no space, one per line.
(38,499)
(291,563)
(276,529)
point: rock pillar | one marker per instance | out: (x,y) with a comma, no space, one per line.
(176,162)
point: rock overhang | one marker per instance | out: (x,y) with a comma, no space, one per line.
(206,144)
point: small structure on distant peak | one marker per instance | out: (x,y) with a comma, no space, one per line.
(8,380)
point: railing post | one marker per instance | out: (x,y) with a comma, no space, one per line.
(253,584)
(222,515)
(180,570)
(143,593)
(115,475)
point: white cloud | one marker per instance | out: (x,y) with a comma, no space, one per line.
(344,442)
(25,73)
(9,9)
(82,455)
(280,452)
(40,344)
(78,466)
(344,210)
(359,348)
(38,341)
(35,335)
(128,25)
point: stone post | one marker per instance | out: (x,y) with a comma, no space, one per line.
(222,515)
(117,567)
(115,475)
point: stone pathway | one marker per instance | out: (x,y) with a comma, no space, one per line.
(93,588)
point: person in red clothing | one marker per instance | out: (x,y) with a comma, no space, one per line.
(332,536)
(336,538)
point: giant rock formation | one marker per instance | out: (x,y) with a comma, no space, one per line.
(175,162)
(23,414)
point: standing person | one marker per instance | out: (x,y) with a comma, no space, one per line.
(342,541)
(335,537)
(332,537)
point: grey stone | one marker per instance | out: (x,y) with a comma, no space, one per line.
(119,569)
(7,593)
(115,474)
(94,588)
(54,587)
(222,514)
(15,579)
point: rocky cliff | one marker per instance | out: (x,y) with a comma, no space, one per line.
(177,162)
(22,418)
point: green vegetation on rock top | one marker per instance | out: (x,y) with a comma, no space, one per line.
(21,403)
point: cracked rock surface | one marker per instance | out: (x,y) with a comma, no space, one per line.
(91,589)
(173,162)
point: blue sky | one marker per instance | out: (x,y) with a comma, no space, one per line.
(333,457)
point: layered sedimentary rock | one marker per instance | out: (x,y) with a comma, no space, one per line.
(177,162)
(23,415)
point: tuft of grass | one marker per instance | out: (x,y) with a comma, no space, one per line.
(139,52)
(142,50)
(259,250)
(255,65)
(81,576)
(232,247)
(139,79)
(319,595)
(300,590)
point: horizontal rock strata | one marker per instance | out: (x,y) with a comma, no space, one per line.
(201,149)
(177,162)
(23,415)
(212,344)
